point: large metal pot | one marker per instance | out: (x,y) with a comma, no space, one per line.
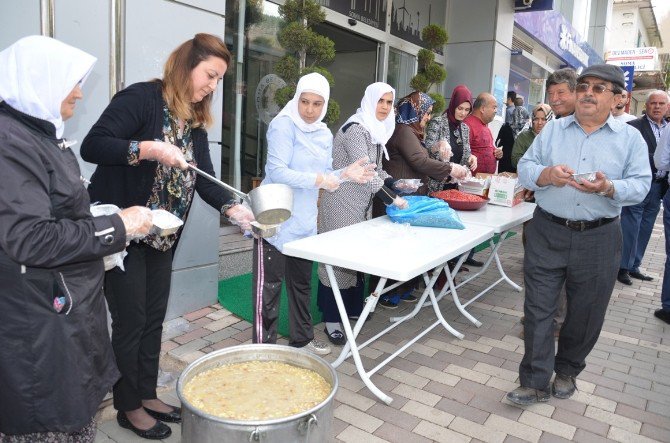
(271,204)
(312,425)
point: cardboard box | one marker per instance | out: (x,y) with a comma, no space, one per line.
(479,185)
(505,190)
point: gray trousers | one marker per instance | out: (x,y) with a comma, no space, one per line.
(586,263)
(297,274)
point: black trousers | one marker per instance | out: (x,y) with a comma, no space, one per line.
(353,299)
(137,300)
(586,263)
(268,276)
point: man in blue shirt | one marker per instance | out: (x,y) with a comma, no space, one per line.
(574,237)
(662,162)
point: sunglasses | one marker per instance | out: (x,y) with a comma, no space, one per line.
(597,89)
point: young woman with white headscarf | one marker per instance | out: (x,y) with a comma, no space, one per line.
(299,155)
(56,360)
(364,134)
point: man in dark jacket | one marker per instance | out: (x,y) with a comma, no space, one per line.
(637,221)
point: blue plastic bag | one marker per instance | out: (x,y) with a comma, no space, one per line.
(426,211)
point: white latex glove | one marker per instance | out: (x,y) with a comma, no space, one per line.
(400,203)
(443,150)
(359,171)
(240,215)
(406,186)
(458,172)
(138,220)
(329,182)
(165,153)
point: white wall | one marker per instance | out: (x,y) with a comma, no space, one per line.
(626,23)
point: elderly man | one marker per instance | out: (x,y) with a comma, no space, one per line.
(637,221)
(619,110)
(561,92)
(574,238)
(481,143)
(662,162)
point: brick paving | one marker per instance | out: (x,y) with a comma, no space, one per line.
(450,390)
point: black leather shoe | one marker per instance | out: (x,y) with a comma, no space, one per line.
(624,277)
(159,431)
(640,276)
(663,315)
(473,262)
(528,396)
(564,386)
(170,417)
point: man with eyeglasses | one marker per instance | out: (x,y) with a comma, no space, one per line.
(637,221)
(574,237)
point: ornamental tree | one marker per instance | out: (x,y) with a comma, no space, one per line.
(429,72)
(306,50)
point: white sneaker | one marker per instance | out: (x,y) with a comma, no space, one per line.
(317,347)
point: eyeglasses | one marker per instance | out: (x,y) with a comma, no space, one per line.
(597,89)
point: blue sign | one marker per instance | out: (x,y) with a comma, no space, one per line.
(533,5)
(555,33)
(628,76)
(500,92)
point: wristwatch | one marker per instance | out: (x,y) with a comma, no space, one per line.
(606,192)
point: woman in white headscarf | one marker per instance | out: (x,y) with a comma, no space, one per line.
(56,360)
(364,134)
(299,155)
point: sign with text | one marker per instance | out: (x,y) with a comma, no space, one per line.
(370,12)
(642,59)
(533,5)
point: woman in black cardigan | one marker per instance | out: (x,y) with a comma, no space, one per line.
(135,169)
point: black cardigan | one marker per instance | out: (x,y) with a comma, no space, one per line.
(136,114)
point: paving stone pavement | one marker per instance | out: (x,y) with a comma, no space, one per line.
(451,390)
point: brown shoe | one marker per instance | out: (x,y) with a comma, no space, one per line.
(528,396)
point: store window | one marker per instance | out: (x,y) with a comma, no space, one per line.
(527,79)
(249,87)
(401,69)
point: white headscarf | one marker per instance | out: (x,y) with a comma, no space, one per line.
(316,84)
(37,73)
(380,131)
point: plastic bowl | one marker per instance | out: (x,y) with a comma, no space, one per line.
(458,204)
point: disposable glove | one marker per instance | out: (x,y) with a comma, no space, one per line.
(458,172)
(138,220)
(400,203)
(240,215)
(359,171)
(329,182)
(165,153)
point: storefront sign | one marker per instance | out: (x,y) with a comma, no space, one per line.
(628,72)
(533,5)
(409,17)
(643,59)
(554,32)
(370,12)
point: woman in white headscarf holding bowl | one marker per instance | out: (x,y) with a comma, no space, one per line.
(364,134)
(56,360)
(299,155)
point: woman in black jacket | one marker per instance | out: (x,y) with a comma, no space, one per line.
(135,169)
(56,361)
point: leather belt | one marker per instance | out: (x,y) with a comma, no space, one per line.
(578,225)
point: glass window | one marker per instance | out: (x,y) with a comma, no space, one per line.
(409,17)
(401,69)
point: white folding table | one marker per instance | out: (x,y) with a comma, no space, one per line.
(501,219)
(390,251)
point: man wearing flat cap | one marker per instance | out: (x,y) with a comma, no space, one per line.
(574,237)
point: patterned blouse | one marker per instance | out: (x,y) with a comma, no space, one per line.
(459,140)
(173,188)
